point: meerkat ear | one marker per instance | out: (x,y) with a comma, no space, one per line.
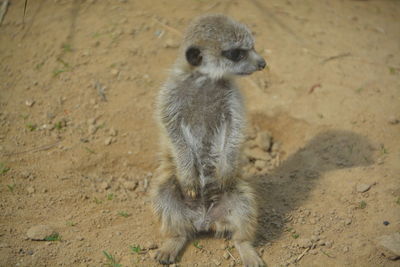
(193,56)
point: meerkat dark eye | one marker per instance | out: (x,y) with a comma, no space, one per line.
(235,54)
(193,56)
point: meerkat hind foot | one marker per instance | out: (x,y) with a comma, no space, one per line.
(249,255)
(169,251)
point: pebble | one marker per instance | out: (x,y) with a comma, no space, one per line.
(361,188)
(348,221)
(108,140)
(393,120)
(345,249)
(304,243)
(113,132)
(260,164)
(104,186)
(131,185)
(29,102)
(92,129)
(169,43)
(30,189)
(328,244)
(264,140)
(114,72)
(40,232)
(216,262)
(386,223)
(257,153)
(226,255)
(151,245)
(390,245)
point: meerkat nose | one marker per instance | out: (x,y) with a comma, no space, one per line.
(261,64)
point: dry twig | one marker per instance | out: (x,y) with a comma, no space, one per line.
(169,28)
(41,148)
(335,57)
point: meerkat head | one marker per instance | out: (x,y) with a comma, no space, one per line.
(218,46)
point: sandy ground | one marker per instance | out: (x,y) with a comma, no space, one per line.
(78,140)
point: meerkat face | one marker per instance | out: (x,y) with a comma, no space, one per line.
(219,46)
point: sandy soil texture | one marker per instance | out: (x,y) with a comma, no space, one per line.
(78,142)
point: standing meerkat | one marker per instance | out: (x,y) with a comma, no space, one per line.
(199,187)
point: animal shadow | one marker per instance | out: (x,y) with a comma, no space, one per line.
(287,186)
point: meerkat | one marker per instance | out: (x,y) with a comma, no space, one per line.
(199,187)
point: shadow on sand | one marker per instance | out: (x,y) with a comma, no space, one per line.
(288,186)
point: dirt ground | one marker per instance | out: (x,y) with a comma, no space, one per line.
(78,142)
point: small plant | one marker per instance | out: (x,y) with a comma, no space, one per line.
(136,248)
(398,201)
(11,187)
(110,196)
(67,47)
(112,262)
(123,214)
(197,245)
(362,204)
(89,150)
(53,237)
(70,223)
(359,90)
(392,70)
(58,125)
(383,149)
(31,126)
(3,168)
(97,201)
(295,235)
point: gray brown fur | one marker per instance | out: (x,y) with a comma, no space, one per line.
(199,186)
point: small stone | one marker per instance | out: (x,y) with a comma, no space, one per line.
(130,185)
(114,72)
(314,238)
(40,232)
(92,121)
(321,243)
(393,120)
(151,245)
(347,221)
(4,245)
(108,141)
(257,153)
(80,238)
(29,102)
(328,244)
(345,249)
(104,186)
(390,246)
(92,129)
(260,164)
(386,223)
(169,43)
(30,189)
(216,262)
(226,255)
(361,188)
(113,132)
(264,140)
(304,243)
